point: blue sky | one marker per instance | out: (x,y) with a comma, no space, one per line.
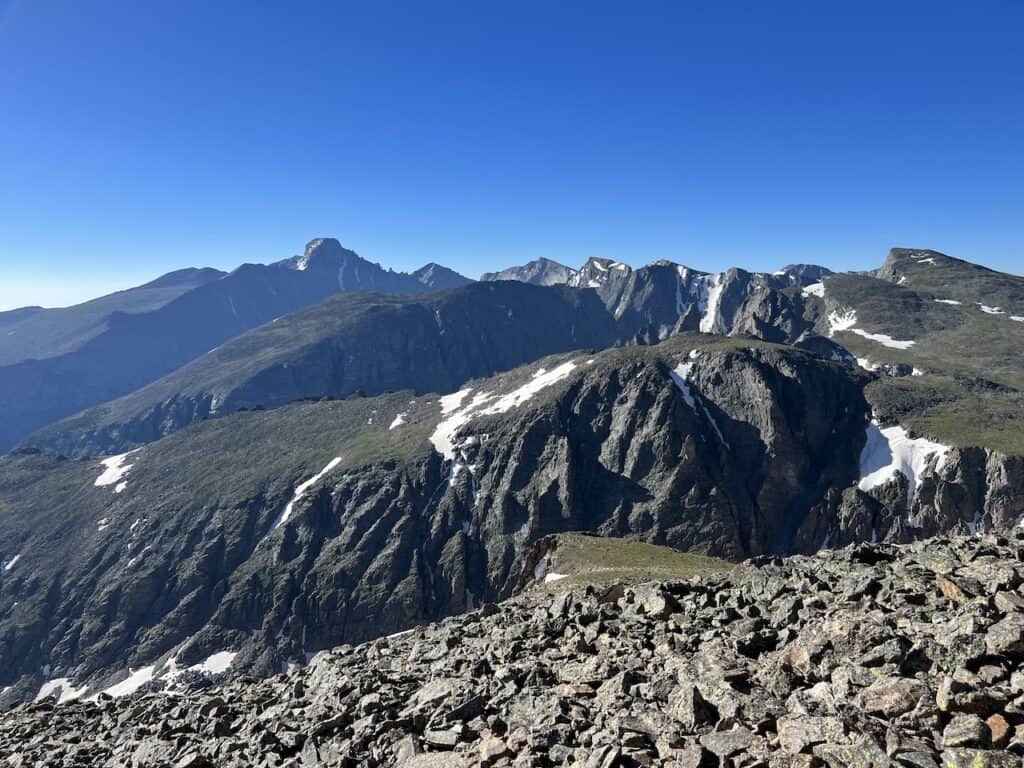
(136,138)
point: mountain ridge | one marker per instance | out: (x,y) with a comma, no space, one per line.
(646,307)
(103,352)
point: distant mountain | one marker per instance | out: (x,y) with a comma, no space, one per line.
(56,362)
(538,272)
(662,298)
(372,343)
(351,342)
(439,278)
(328,263)
(36,333)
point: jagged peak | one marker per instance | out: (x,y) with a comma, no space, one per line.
(599,262)
(319,250)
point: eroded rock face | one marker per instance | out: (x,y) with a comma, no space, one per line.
(974,489)
(853,657)
(726,460)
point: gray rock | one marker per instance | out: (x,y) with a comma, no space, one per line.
(966,731)
(1006,636)
(797,733)
(892,696)
(727,743)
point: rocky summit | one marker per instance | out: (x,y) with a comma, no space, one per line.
(873,655)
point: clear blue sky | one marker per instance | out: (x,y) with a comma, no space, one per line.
(138,137)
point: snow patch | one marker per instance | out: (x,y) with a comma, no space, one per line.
(1017,318)
(539,381)
(814,289)
(114,470)
(954,302)
(63,687)
(10,563)
(841,321)
(990,310)
(216,664)
(681,376)
(550,578)
(540,569)
(135,680)
(890,451)
(300,491)
(884,339)
(458,415)
(452,402)
(399,421)
(711,301)
(847,320)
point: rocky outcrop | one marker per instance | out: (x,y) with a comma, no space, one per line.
(874,655)
(968,490)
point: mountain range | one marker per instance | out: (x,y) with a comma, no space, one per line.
(359,462)
(55,362)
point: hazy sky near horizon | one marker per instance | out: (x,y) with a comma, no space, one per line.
(137,138)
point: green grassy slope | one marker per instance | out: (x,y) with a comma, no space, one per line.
(969,390)
(586,559)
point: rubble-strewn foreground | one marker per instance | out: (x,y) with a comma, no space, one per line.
(868,656)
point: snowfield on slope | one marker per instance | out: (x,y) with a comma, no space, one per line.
(847,321)
(114,470)
(458,415)
(891,450)
(814,289)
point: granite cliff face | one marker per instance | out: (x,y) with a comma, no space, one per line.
(662,298)
(960,489)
